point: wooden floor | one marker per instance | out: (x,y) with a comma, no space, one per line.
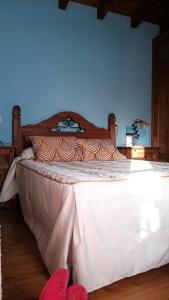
(24,273)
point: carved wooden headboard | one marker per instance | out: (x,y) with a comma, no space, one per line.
(63,124)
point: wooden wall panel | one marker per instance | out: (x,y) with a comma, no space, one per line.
(160,103)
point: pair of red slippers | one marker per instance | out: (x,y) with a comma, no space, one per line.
(56,288)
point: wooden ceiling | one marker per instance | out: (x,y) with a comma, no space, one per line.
(153,11)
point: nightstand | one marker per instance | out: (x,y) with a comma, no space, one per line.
(6,158)
(138,152)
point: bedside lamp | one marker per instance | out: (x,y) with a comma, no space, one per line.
(136,124)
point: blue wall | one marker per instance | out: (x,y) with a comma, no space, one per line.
(53,60)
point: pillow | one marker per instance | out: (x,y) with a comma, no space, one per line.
(27,154)
(56,148)
(99,149)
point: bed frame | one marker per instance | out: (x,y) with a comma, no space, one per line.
(63,123)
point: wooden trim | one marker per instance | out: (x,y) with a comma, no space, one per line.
(21,134)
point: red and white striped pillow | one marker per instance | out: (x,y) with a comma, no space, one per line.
(74,149)
(56,148)
(99,149)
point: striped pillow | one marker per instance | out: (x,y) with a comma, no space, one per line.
(99,149)
(56,148)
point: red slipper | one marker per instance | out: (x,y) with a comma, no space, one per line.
(76,292)
(55,288)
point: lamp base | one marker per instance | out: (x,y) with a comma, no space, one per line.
(129,139)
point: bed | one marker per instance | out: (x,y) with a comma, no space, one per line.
(105,220)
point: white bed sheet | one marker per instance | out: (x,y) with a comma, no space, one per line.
(108,229)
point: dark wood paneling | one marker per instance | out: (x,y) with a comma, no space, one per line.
(160,103)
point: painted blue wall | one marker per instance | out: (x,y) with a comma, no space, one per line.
(53,60)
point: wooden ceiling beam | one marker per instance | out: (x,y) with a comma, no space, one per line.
(62,4)
(142,8)
(103,9)
(164,27)
(164,24)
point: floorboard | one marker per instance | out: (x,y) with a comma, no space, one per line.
(24,274)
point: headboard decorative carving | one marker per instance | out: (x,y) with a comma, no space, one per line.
(68,125)
(58,125)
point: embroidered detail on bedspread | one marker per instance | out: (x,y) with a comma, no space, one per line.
(74,172)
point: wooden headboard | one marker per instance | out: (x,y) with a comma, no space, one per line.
(63,123)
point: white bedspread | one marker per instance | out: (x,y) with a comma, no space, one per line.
(109,220)
(10,188)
